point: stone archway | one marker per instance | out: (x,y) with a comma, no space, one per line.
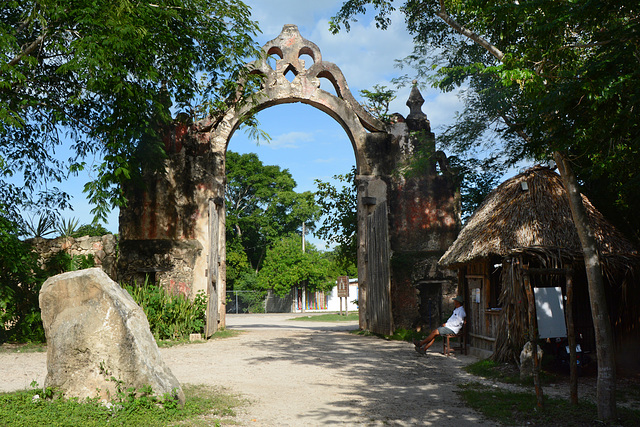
(174,228)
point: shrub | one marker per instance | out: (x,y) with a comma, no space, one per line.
(21,280)
(91,230)
(170,316)
(61,262)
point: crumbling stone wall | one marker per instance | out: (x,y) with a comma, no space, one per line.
(163,230)
(102,248)
(424,220)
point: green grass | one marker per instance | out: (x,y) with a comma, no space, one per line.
(506,373)
(405,335)
(329,317)
(223,333)
(628,394)
(204,406)
(23,348)
(511,408)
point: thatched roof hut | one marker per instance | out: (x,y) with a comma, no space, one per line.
(513,217)
(527,221)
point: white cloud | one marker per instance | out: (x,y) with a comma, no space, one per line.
(289,140)
(366,55)
(272,15)
(441,107)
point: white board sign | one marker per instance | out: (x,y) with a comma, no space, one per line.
(550,312)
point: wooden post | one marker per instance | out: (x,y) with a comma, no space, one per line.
(343,292)
(212,273)
(533,335)
(571,337)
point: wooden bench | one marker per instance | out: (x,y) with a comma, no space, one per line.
(447,349)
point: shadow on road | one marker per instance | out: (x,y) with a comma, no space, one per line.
(397,386)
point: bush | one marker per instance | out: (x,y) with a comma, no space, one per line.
(170,316)
(21,280)
(251,295)
(61,262)
(91,230)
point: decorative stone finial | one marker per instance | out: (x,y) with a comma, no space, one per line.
(414,103)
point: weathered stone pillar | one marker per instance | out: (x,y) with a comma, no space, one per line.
(164,228)
(424,220)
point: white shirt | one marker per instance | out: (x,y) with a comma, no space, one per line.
(456,320)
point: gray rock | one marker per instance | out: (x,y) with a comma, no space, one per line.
(97,337)
(526,360)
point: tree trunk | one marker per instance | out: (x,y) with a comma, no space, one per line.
(533,334)
(571,338)
(601,323)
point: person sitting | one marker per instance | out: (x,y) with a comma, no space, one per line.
(452,326)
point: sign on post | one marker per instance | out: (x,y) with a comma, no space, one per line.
(343,292)
(343,286)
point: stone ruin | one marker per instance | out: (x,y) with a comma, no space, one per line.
(98,339)
(101,248)
(172,231)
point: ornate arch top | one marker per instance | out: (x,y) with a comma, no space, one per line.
(287,49)
(289,46)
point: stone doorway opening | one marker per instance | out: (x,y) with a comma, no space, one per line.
(310,145)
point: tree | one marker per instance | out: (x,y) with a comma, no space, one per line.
(377,101)
(102,77)
(339,222)
(553,79)
(478,178)
(286,266)
(262,205)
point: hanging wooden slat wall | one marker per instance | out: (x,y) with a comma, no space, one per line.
(379,279)
(212,272)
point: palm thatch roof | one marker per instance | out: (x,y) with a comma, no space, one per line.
(530,210)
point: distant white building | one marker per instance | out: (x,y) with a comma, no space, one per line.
(333,302)
(302,300)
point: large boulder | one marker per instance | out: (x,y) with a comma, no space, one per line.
(98,339)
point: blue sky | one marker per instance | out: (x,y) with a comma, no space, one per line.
(305,140)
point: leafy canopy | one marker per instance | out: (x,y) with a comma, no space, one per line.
(339,223)
(541,76)
(262,206)
(85,78)
(286,266)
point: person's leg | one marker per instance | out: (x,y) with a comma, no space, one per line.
(433,339)
(430,339)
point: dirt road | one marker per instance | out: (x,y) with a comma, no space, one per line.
(298,373)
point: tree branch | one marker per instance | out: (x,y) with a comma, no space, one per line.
(442,14)
(515,128)
(37,42)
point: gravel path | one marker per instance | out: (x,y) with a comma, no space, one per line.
(297,373)
(310,374)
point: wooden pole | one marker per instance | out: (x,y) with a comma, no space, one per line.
(571,338)
(533,335)
(212,315)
